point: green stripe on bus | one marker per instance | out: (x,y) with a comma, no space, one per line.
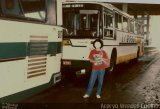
(54,48)
(59,47)
(23,49)
(13,50)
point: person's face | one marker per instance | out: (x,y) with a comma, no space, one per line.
(97,45)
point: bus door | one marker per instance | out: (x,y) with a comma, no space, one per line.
(108,25)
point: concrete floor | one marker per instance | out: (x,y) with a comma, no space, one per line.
(130,83)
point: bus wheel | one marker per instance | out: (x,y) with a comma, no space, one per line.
(136,59)
(113,60)
(111,70)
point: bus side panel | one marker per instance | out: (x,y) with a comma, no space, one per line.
(127,48)
(16,36)
(126,53)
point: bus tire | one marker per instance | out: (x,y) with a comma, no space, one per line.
(113,60)
(135,60)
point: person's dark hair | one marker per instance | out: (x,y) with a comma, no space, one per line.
(100,41)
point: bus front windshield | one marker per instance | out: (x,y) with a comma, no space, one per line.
(81,24)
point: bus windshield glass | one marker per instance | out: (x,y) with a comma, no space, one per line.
(33,10)
(36,11)
(81,23)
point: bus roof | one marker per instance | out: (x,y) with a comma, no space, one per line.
(107,5)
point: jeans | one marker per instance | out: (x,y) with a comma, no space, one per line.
(93,77)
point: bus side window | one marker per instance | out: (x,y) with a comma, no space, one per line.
(11,7)
(109,21)
(125,24)
(118,21)
(136,27)
(132,26)
(140,29)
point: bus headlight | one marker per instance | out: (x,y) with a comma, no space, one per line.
(66,42)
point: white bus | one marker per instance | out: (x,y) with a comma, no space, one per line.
(30,47)
(122,35)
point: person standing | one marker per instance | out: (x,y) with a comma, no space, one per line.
(99,60)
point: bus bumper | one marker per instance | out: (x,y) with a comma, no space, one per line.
(75,66)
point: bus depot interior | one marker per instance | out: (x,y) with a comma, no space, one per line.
(81,21)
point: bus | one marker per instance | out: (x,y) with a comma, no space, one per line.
(84,22)
(30,47)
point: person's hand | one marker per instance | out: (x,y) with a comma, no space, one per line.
(104,59)
(99,61)
(92,61)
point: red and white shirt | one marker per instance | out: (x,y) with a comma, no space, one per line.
(98,55)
